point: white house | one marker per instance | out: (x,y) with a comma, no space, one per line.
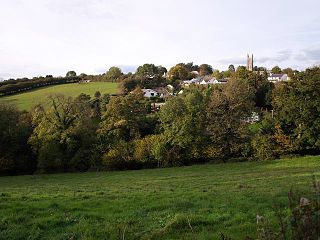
(278,77)
(159,92)
(149,93)
(192,81)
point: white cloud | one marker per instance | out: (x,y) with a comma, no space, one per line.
(40,37)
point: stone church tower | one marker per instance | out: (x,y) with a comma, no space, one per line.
(250,62)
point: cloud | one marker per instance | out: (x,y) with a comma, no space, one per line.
(309,54)
(124,68)
(281,56)
(238,61)
(93,9)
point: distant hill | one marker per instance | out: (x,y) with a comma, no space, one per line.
(26,100)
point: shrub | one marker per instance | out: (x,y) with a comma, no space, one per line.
(120,157)
(143,150)
(264,147)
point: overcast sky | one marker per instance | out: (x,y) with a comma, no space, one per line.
(40,37)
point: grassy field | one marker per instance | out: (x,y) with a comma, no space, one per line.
(151,204)
(25,101)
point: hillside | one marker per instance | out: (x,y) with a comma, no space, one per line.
(151,204)
(26,100)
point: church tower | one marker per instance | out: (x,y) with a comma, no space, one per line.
(250,62)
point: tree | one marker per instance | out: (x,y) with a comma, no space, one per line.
(231,68)
(113,74)
(97,94)
(71,74)
(64,135)
(15,154)
(183,123)
(178,72)
(150,71)
(288,71)
(205,69)
(226,111)
(263,89)
(241,73)
(123,120)
(297,108)
(276,70)
(217,74)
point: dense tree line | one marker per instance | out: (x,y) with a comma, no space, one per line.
(204,124)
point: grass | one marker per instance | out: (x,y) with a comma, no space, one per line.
(26,100)
(196,202)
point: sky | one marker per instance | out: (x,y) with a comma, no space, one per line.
(41,37)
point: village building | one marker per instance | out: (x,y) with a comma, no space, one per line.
(278,77)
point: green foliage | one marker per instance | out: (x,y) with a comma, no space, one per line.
(119,157)
(71,74)
(276,70)
(226,110)
(205,69)
(113,74)
(145,151)
(241,73)
(62,135)
(183,123)
(178,72)
(97,94)
(15,155)
(231,68)
(150,71)
(123,119)
(297,108)
(263,89)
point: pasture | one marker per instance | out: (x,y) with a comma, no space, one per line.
(196,202)
(26,100)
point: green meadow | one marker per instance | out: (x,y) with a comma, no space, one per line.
(26,100)
(196,202)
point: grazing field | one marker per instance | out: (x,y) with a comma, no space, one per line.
(26,100)
(196,202)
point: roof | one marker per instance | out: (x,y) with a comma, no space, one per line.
(148,90)
(277,75)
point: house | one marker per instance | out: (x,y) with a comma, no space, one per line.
(203,82)
(193,81)
(278,77)
(149,93)
(159,92)
(163,92)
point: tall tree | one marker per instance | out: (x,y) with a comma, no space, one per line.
(15,154)
(231,68)
(71,74)
(63,135)
(205,69)
(150,71)
(226,111)
(113,74)
(297,107)
(276,70)
(178,72)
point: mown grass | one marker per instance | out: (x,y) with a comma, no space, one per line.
(26,100)
(196,202)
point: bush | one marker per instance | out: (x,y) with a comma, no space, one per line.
(120,157)
(143,151)
(264,147)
